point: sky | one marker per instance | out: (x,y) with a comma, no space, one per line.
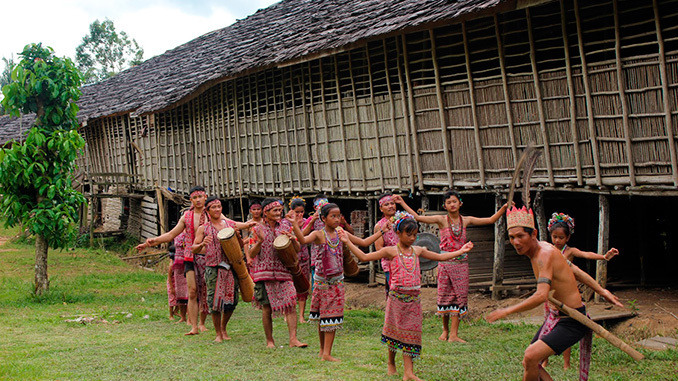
(157,25)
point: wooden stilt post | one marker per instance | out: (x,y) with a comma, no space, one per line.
(499,249)
(370,221)
(603,240)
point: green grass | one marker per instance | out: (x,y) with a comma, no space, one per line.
(38,343)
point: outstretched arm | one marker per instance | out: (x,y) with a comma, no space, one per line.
(369,240)
(373,256)
(445,255)
(595,256)
(244,225)
(170,235)
(486,220)
(585,278)
(301,238)
(439,220)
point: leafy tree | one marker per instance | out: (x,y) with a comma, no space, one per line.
(104,52)
(6,77)
(36,176)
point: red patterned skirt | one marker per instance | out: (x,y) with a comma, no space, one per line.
(180,285)
(403,323)
(453,288)
(327,304)
(199,261)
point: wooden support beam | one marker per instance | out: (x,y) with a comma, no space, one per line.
(327,130)
(499,249)
(161,211)
(412,127)
(278,136)
(621,87)
(505,88)
(540,216)
(571,95)
(589,101)
(376,121)
(394,129)
(540,100)
(603,240)
(236,136)
(370,222)
(300,187)
(342,127)
(313,170)
(253,142)
(444,135)
(666,95)
(357,120)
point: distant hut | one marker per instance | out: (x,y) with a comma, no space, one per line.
(354,98)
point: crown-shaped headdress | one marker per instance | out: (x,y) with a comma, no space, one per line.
(523,217)
(399,217)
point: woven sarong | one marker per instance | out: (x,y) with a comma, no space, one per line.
(305,265)
(403,323)
(171,296)
(327,303)
(180,285)
(282,297)
(199,261)
(453,288)
(222,292)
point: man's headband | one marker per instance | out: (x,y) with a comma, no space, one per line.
(385,200)
(198,193)
(272,205)
(212,203)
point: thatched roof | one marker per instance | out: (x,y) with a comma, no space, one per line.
(286,31)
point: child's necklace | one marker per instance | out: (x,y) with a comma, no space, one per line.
(402,256)
(332,244)
(455,228)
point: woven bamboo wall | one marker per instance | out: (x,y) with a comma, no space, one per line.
(593,84)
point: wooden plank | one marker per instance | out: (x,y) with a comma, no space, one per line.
(668,121)
(394,129)
(445,137)
(313,170)
(589,102)
(603,240)
(412,126)
(357,118)
(236,126)
(499,248)
(161,210)
(621,87)
(327,132)
(300,188)
(342,128)
(540,101)
(376,122)
(270,127)
(571,95)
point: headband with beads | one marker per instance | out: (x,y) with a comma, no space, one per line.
(561,217)
(399,217)
(207,206)
(296,198)
(272,205)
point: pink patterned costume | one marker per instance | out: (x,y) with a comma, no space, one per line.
(305,264)
(327,302)
(403,319)
(198,260)
(222,289)
(453,276)
(180,286)
(390,239)
(267,269)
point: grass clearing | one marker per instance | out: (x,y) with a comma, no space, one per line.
(138,342)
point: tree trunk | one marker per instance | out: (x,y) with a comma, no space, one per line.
(41,279)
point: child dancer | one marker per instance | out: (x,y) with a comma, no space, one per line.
(298,205)
(403,319)
(453,277)
(327,301)
(387,206)
(561,228)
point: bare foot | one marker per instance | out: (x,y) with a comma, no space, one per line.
(192,332)
(302,321)
(172,318)
(203,328)
(566,366)
(270,344)
(225,336)
(218,339)
(411,377)
(444,336)
(330,358)
(320,355)
(181,320)
(456,339)
(392,371)
(298,344)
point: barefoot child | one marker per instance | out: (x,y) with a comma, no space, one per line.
(327,301)
(298,205)
(453,276)
(561,228)
(221,287)
(403,319)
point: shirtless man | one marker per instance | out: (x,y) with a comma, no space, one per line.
(553,272)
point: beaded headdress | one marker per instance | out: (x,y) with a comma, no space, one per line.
(561,217)
(296,198)
(399,217)
(523,217)
(272,205)
(319,203)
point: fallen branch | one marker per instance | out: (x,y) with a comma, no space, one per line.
(667,311)
(597,328)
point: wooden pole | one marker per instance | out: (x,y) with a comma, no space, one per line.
(444,134)
(540,215)
(376,120)
(603,240)
(342,128)
(161,210)
(540,101)
(411,111)
(474,108)
(370,221)
(668,122)
(327,128)
(307,129)
(394,130)
(505,88)
(499,249)
(357,119)
(621,87)
(597,328)
(571,94)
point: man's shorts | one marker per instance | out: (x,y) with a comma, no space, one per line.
(565,334)
(260,293)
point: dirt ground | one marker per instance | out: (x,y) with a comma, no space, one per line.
(653,308)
